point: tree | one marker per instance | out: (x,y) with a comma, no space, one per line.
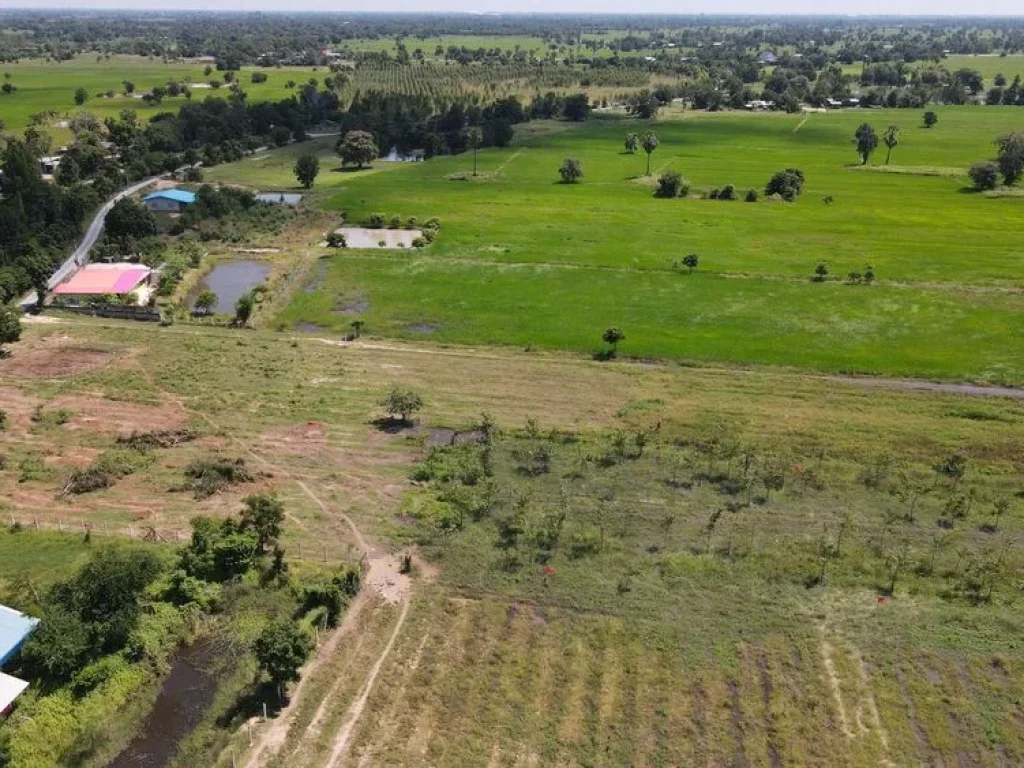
(643,104)
(576,107)
(474,138)
(571,170)
(820,272)
(129,86)
(632,142)
(244,307)
(690,261)
(670,184)
(401,403)
(787,184)
(205,302)
(357,327)
(891,137)
(1011,156)
(10,326)
(280,650)
(985,175)
(263,514)
(307,168)
(129,219)
(649,143)
(81,96)
(866,140)
(357,148)
(930,119)
(612,337)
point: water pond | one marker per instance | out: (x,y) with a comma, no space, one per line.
(230,280)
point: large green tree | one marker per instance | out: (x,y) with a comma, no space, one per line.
(1011,156)
(128,218)
(263,514)
(866,140)
(357,148)
(307,168)
(280,650)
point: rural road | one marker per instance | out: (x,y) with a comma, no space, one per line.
(92,234)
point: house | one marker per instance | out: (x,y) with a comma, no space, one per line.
(129,283)
(169,200)
(14,628)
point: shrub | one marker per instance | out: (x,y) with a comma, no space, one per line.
(419,242)
(432,223)
(713,193)
(787,184)
(670,184)
(751,196)
(728,192)
(336,240)
(984,175)
(571,170)
(374,221)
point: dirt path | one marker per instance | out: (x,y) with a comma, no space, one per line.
(383,578)
(344,736)
(271,737)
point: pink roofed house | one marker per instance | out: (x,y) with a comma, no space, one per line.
(95,280)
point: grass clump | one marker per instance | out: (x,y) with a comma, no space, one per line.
(206,477)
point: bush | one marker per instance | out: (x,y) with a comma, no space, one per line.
(751,196)
(728,192)
(374,221)
(670,184)
(336,240)
(984,175)
(571,170)
(419,242)
(432,223)
(787,184)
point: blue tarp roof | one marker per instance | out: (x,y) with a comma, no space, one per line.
(14,628)
(178,195)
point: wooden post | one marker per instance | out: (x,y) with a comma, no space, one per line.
(264,711)
(250,733)
(300,550)
(325,553)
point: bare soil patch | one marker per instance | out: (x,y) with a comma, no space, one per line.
(112,416)
(56,362)
(362,237)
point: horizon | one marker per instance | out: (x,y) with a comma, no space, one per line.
(913,9)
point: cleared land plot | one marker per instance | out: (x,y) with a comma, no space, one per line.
(696,659)
(361,237)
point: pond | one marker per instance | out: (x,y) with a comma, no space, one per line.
(183,698)
(229,280)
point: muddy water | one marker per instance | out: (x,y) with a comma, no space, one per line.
(183,698)
(230,280)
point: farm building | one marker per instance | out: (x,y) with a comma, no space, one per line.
(169,200)
(14,628)
(118,280)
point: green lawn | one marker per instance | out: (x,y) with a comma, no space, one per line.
(989,66)
(51,85)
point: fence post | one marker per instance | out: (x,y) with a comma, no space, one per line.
(264,711)
(325,553)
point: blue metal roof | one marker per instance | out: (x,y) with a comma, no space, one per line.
(177,195)
(14,628)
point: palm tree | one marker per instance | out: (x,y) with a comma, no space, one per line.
(649,143)
(891,137)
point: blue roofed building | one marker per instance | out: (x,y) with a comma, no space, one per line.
(169,200)
(14,628)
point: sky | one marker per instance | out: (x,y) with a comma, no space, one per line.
(820,7)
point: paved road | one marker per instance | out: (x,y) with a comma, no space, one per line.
(92,234)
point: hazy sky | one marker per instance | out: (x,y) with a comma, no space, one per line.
(860,7)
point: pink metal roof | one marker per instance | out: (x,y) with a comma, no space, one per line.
(104,278)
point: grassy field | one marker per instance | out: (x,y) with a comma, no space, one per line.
(655,644)
(568,261)
(989,66)
(51,86)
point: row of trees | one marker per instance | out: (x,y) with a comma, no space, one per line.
(1009,163)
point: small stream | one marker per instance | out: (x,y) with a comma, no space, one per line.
(184,697)
(229,280)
